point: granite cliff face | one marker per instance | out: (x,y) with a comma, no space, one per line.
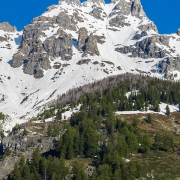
(72,44)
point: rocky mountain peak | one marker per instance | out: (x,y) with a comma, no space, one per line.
(50,36)
(97,1)
(137,10)
(5,26)
(77,2)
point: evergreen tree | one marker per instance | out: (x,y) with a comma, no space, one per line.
(117,174)
(49,131)
(146,143)
(149,119)
(26,173)
(157,108)
(168,142)
(16,173)
(105,172)
(81,175)
(167,110)
(55,130)
(25,132)
(21,163)
(36,175)
(36,157)
(43,167)
(132,142)
(132,170)
(158,141)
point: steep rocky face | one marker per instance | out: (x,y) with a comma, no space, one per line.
(136,9)
(147,27)
(96,2)
(91,46)
(35,55)
(146,48)
(98,13)
(139,36)
(82,38)
(65,21)
(120,13)
(169,64)
(37,50)
(59,45)
(87,44)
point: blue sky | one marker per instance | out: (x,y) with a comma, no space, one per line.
(165,13)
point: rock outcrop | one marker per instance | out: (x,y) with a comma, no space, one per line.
(5,26)
(147,27)
(98,13)
(19,143)
(178,33)
(35,55)
(119,13)
(91,46)
(87,44)
(59,45)
(168,65)
(97,1)
(137,10)
(83,35)
(139,36)
(147,48)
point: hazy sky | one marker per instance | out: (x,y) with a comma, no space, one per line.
(165,13)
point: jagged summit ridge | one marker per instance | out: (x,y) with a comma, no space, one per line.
(36,51)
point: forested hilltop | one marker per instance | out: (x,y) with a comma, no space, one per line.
(96,144)
(144,92)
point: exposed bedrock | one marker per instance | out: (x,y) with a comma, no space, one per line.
(35,55)
(5,26)
(147,48)
(87,44)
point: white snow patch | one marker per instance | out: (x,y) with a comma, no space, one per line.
(173,108)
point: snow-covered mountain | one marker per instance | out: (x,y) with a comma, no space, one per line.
(75,43)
